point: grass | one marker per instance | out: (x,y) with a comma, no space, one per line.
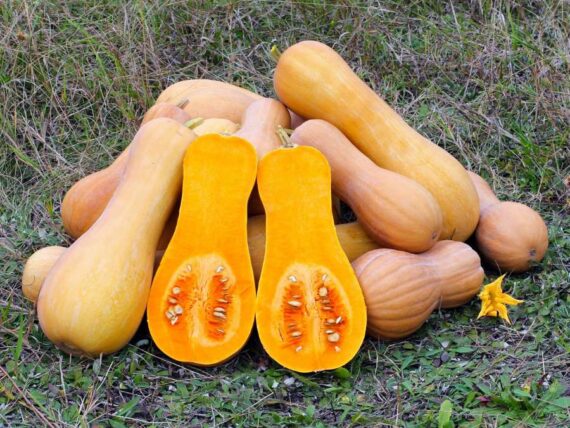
(486,80)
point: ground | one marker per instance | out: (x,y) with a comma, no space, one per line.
(486,80)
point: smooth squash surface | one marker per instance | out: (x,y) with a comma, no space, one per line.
(209,98)
(395,210)
(402,289)
(202,302)
(37,268)
(316,83)
(93,299)
(310,310)
(85,200)
(510,236)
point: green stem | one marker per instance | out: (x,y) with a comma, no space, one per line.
(275,53)
(284,137)
(193,123)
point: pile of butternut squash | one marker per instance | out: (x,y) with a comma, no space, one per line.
(220,213)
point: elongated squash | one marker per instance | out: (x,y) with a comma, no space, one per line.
(209,98)
(402,289)
(396,211)
(85,200)
(202,302)
(37,268)
(310,312)
(93,299)
(316,83)
(510,236)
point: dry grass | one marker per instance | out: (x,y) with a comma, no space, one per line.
(487,80)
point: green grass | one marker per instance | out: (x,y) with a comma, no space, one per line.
(486,80)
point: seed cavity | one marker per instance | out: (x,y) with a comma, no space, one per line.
(294,303)
(176,290)
(323,292)
(335,337)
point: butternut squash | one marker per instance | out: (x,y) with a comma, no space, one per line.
(396,211)
(511,237)
(310,312)
(36,269)
(85,200)
(94,297)
(209,98)
(315,82)
(402,289)
(202,302)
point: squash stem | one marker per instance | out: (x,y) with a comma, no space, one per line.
(193,123)
(284,137)
(182,103)
(275,53)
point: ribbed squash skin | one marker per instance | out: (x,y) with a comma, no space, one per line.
(395,210)
(352,237)
(402,289)
(511,237)
(315,82)
(85,200)
(310,310)
(93,299)
(206,270)
(209,98)
(37,268)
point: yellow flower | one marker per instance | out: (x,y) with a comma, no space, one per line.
(494,301)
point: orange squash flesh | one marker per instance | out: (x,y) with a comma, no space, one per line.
(310,309)
(202,301)
(315,82)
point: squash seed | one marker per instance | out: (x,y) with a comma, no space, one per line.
(223,279)
(294,303)
(324,277)
(169,314)
(298,348)
(335,337)
(292,278)
(222,301)
(221,330)
(219,269)
(337,348)
(219,315)
(296,334)
(323,292)
(327,308)
(219,309)
(338,320)
(178,310)
(189,268)
(173,320)
(330,321)
(176,290)
(172,300)
(329,331)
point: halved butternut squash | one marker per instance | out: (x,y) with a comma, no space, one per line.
(202,301)
(310,311)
